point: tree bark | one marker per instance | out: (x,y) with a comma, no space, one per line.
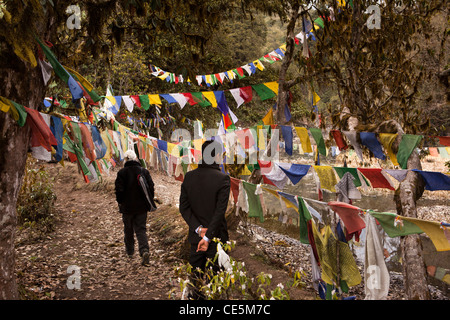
(406,196)
(22,83)
(25,87)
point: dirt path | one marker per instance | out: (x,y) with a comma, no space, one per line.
(89,236)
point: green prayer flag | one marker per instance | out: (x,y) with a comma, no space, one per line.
(263,91)
(304,217)
(353,171)
(318,137)
(21,112)
(60,71)
(387,222)
(200,99)
(145,103)
(76,149)
(319,22)
(254,202)
(407,145)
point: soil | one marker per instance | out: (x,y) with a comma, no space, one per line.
(89,236)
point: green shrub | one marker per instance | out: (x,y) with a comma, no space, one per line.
(36,200)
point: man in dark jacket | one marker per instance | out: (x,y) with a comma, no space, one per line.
(203,203)
(133,204)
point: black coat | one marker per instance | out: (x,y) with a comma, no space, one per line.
(204,200)
(129,195)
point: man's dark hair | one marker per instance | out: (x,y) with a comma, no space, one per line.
(210,149)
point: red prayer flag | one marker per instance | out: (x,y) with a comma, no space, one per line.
(376,178)
(41,135)
(339,140)
(136,100)
(444,141)
(234,187)
(246,93)
(190,98)
(349,214)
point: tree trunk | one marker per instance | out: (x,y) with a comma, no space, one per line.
(406,196)
(23,84)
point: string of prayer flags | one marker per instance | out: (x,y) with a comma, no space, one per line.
(407,145)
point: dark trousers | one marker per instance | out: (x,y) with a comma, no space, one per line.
(135,224)
(198,260)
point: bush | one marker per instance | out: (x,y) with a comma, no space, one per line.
(234,283)
(35,203)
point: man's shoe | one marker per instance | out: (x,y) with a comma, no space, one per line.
(145,258)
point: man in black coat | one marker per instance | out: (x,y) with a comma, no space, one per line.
(133,204)
(203,202)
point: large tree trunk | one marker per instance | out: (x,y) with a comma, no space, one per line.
(406,196)
(22,83)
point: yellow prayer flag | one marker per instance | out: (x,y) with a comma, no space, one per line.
(433,231)
(211,98)
(303,135)
(283,47)
(273,192)
(163,76)
(198,144)
(111,99)
(327,177)
(386,140)
(258,64)
(272,86)
(5,105)
(154,99)
(261,139)
(316,98)
(268,118)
